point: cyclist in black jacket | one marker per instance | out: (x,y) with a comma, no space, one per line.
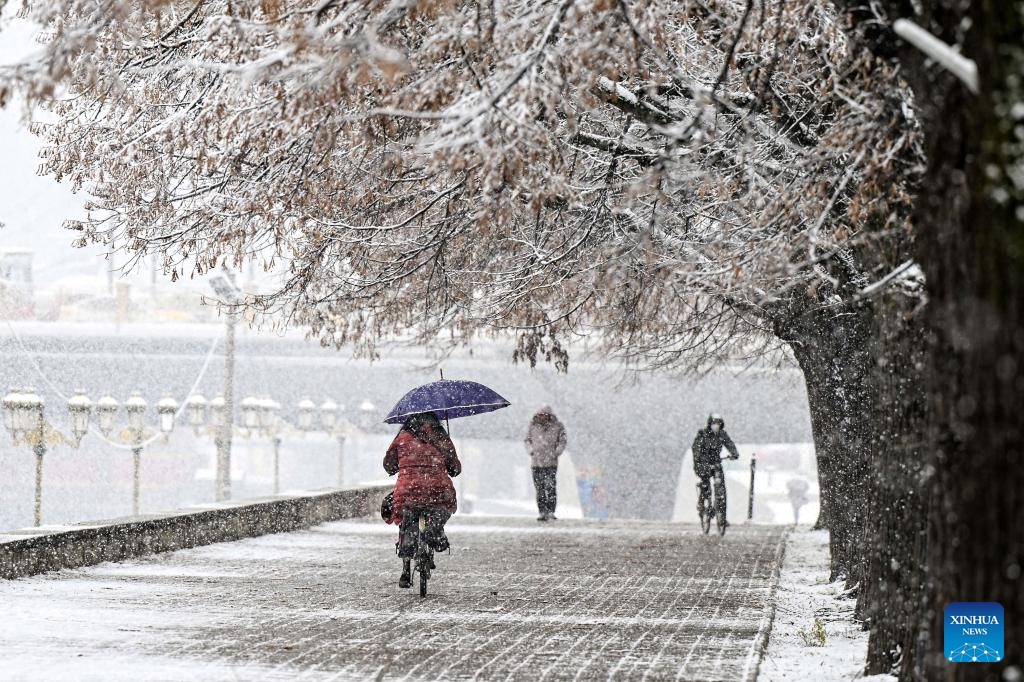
(707,461)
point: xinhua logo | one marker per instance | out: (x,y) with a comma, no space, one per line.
(973,632)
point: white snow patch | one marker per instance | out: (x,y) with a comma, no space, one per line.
(804,595)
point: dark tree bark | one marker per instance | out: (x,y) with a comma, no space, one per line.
(830,345)
(892,594)
(973,254)
(822,454)
(970,243)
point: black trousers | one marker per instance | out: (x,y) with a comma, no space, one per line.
(433,533)
(706,475)
(545,481)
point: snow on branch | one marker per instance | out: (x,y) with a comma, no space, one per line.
(456,168)
(948,58)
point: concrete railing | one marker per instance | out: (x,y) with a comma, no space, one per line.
(37,550)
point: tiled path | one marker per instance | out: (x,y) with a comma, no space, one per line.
(515,600)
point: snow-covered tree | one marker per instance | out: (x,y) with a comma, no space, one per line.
(683,180)
(438,166)
(689,179)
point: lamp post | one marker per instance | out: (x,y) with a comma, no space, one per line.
(79,408)
(217,409)
(367,416)
(332,421)
(196,409)
(106,410)
(304,414)
(224,285)
(260,415)
(24,419)
(166,410)
(136,407)
(270,424)
(367,411)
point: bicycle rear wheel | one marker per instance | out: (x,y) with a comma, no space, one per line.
(705,518)
(423,582)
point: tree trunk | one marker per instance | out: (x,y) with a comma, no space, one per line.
(822,450)
(893,594)
(969,218)
(831,349)
(973,254)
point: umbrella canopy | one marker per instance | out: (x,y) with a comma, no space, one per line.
(447,399)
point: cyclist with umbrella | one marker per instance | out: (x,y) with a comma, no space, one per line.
(424,457)
(425,460)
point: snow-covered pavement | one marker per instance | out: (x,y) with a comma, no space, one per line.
(515,600)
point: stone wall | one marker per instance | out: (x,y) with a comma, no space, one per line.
(37,550)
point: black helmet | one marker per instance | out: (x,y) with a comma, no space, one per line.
(715,417)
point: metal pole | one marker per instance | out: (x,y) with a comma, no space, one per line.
(277,471)
(341,461)
(223,476)
(40,450)
(136,465)
(750,500)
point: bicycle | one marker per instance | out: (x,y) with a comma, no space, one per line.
(707,508)
(423,556)
(415,536)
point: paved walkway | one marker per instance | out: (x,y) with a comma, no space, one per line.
(516,600)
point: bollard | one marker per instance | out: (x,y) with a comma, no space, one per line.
(750,498)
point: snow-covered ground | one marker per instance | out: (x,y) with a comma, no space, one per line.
(514,600)
(814,635)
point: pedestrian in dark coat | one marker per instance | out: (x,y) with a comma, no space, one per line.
(545,442)
(707,460)
(425,460)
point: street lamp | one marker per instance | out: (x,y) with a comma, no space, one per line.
(250,413)
(305,410)
(196,409)
(167,409)
(24,419)
(229,294)
(268,414)
(367,410)
(79,408)
(260,416)
(136,407)
(271,425)
(106,410)
(335,424)
(328,414)
(218,410)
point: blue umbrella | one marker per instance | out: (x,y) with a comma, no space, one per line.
(447,399)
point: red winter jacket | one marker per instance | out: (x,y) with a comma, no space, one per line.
(424,467)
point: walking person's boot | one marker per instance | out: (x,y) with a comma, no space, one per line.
(406,579)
